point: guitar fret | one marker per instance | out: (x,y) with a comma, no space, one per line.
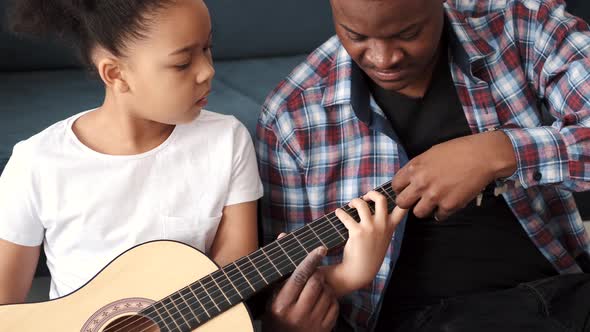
(273,264)
(178,310)
(255,279)
(256,268)
(279,244)
(170,316)
(274,250)
(306,251)
(186,297)
(337,231)
(199,300)
(221,290)
(244,276)
(207,292)
(161,318)
(266,266)
(232,283)
(316,235)
(238,280)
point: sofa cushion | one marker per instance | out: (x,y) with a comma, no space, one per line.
(256,78)
(32,101)
(268,27)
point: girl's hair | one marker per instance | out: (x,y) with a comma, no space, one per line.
(86,23)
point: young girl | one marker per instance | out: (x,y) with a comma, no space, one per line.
(148,163)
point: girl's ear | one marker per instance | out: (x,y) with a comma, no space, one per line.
(109,69)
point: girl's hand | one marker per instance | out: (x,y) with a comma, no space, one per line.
(367,243)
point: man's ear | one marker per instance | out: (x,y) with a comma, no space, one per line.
(110,70)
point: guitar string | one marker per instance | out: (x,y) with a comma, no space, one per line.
(200,315)
(201,294)
(215,297)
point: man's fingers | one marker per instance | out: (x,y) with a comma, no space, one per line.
(442,214)
(401,179)
(309,297)
(408,197)
(424,208)
(294,285)
(320,309)
(281,235)
(331,317)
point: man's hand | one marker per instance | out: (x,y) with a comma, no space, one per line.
(448,176)
(305,302)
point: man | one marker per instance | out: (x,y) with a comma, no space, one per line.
(479,111)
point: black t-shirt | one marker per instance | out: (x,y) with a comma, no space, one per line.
(478,249)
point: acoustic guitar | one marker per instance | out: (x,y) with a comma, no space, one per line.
(169,286)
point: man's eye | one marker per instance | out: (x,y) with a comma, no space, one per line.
(410,35)
(355,37)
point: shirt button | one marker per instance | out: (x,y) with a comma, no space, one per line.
(537,176)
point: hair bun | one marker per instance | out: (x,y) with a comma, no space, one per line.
(85,5)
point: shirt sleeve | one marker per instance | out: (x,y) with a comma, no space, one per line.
(558,154)
(284,205)
(19,222)
(245,185)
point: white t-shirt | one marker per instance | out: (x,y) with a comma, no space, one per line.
(87,207)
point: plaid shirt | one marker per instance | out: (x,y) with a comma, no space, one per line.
(322,140)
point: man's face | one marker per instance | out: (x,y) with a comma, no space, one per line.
(394,42)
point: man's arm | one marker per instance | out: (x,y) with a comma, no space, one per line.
(305,302)
(557,154)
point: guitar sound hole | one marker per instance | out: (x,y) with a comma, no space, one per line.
(133,323)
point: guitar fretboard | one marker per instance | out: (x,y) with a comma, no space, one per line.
(211,295)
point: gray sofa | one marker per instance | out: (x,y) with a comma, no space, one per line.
(256,44)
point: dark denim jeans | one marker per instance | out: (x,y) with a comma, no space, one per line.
(559,303)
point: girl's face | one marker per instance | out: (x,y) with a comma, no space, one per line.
(169,72)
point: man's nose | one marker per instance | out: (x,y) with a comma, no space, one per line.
(384,55)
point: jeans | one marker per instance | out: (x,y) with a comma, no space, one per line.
(560,303)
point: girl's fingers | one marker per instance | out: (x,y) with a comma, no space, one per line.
(380,206)
(347,220)
(397,215)
(363,210)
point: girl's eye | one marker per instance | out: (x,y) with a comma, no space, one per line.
(183,66)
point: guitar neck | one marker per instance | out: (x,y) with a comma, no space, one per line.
(235,282)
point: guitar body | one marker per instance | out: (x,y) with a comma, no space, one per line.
(139,277)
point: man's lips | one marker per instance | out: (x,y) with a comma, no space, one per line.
(389,75)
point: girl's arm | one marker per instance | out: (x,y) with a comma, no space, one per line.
(17,268)
(237,233)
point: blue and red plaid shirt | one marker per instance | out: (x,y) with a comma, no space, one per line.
(322,140)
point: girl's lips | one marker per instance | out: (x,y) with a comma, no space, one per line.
(202,102)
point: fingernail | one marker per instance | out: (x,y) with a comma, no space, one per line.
(322,251)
